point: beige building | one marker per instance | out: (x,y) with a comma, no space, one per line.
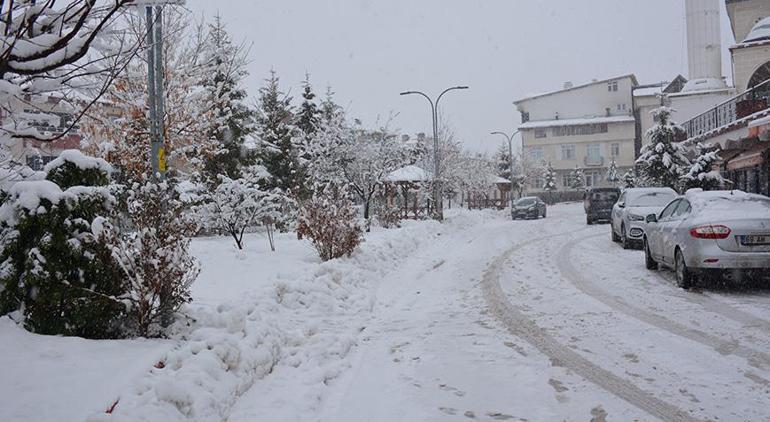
(586,126)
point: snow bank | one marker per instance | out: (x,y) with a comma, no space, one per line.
(310,321)
(80,160)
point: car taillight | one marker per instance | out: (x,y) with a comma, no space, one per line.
(710,232)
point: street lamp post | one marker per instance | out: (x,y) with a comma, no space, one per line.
(510,156)
(438,194)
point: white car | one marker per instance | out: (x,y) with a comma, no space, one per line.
(720,232)
(628,214)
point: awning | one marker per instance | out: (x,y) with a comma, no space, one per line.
(760,129)
(748,159)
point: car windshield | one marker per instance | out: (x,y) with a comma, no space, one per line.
(525,202)
(652,199)
(606,196)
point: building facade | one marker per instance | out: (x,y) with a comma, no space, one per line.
(586,126)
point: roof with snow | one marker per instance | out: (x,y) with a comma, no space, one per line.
(760,32)
(604,81)
(409,174)
(576,122)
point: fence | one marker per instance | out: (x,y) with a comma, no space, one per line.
(556,197)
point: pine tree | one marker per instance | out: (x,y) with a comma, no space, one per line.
(630,179)
(550,179)
(612,173)
(225,71)
(662,162)
(503,162)
(577,179)
(275,131)
(701,173)
(308,124)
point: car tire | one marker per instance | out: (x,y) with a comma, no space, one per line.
(615,237)
(589,221)
(649,261)
(544,214)
(684,277)
(624,238)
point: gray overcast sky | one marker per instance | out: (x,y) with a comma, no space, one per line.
(369,51)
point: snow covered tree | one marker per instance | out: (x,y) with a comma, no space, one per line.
(119,130)
(663,161)
(549,175)
(58,275)
(275,131)
(328,219)
(503,163)
(233,206)
(630,179)
(48,48)
(613,176)
(153,253)
(702,174)
(323,152)
(577,179)
(223,74)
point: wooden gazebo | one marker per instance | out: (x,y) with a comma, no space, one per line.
(405,189)
(496,196)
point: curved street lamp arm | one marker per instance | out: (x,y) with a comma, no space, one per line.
(447,90)
(432,105)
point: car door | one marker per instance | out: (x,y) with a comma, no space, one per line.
(678,233)
(663,231)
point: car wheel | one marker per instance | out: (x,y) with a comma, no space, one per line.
(544,214)
(684,277)
(649,261)
(624,238)
(589,221)
(615,237)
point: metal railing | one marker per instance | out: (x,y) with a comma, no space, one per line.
(752,101)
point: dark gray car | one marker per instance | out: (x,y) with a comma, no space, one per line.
(598,203)
(528,207)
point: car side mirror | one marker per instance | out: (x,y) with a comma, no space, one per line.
(621,205)
(652,218)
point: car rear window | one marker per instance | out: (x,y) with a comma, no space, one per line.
(652,199)
(604,196)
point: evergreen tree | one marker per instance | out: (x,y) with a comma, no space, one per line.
(701,174)
(308,124)
(225,71)
(613,176)
(630,179)
(275,131)
(550,178)
(577,179)
(662,161)
(503,162)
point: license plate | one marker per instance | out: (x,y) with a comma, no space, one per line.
(755,240)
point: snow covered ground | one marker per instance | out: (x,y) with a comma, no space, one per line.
(481,318)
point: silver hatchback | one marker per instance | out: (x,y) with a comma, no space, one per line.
(725,232)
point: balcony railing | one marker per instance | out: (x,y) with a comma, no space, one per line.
(752,101)
(593,161)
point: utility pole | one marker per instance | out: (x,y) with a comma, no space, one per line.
(438,191)
(510,157)
(155,83)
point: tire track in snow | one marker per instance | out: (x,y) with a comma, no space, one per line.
(526,329)
(755,358)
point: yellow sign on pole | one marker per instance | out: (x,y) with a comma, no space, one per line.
(162,160)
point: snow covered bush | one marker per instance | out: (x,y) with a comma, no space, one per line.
(613,176)
(663,161)
(57,275)
(329,220)
(549,175)
(577,179)
(630,179)
(153,254)
(701,173)
(388,216)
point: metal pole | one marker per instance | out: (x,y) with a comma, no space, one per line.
(510,157)
(159,150)
(151,91)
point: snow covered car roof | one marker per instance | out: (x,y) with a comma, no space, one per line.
(725,204)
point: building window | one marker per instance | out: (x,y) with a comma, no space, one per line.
(536,153)
(565,180)
(612,86)
(537,183)
(615,150)
(594,151)
(592,179)
(524,117)
(37,162)
(568,152)
(541,133)
(580,130)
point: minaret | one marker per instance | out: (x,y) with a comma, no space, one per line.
(704,45)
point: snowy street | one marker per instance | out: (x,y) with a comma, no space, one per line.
(549,320)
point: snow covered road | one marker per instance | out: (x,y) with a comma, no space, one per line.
(549,320)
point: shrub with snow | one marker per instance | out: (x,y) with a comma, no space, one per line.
(662,161)
(702,174)
(329,221)
(153,256)
(57,276)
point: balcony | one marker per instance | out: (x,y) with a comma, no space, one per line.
(731,111)
(593,161)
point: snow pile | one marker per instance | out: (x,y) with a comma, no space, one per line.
(80,160)
(28,196)
(310,321)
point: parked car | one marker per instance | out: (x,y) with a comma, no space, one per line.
(627,223)
(528,207)
(598,203)
(722,232)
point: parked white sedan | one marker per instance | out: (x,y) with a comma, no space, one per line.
(723,232)
(627,219)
